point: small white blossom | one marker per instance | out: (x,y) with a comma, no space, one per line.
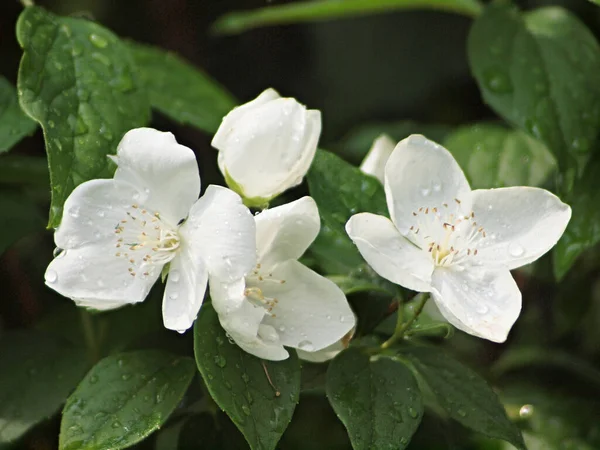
(455,243)
(118,234)
(266,146)
(282,302)
(377,157)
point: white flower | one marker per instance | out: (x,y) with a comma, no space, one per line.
(377,157)
(456,243)
(266,146)
(282,302)
(118,234)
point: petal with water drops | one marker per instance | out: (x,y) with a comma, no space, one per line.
(245,328)
(389,253)
(222,231)
(520,223)
(308,311)
(482,301)
(286,231)
(97,278)
(423,174)
(184,292)
(165,172)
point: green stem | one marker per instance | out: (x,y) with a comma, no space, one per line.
(401,328)
(90,335)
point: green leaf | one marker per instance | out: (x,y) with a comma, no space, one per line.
(376,398)
(493,156)
(260,405)
(19,217)
(14,124)
(123,399)
(340,191)
(180,90)
(356,144)
(78,81)
(583,230)
(37,373)
(309,11)
(465,396)
(539,71)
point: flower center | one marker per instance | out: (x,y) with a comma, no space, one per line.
(450,238)
(257,282)
(145,240)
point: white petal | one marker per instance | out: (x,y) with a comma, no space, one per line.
(92,211)
(165,172)
(222,230)
(375,161)
(521,224)
(97,304)
(482,301)
(184,292)
(223,134)
(286,231)
(227,296)
(389,253)
(268,146)
(244,327)
(323,355)
(311,312)
(94,277)
(423,174)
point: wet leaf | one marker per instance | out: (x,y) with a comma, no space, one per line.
(123,399)
(377,399)
(14,123)
(259,396)
(465,396)
(493,156)
(539,71)
(180,90)
(77,80)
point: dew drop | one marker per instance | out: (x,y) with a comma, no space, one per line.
(93,379)
(526,411)
(173,295)
(246,410)
(98,41)
(497,81)
(481,308)
(220,361)
(100,213)
(307,346)
(437,186)
(74,211)
(412,412)
(461,412)
(342,318)
(245,377)
(515,250)
(174,276)
(116,424)
(51,276)
(58,252)
(425,191)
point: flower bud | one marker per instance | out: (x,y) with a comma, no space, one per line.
(266,146)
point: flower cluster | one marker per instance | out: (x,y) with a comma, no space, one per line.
(117,236)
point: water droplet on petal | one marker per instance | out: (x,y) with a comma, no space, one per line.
(174,275)
(482,308)
(307,346)
(437,186)
(425,191)
(173,295)
(51,276)
(515,250)
(74,211)
(58,252)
